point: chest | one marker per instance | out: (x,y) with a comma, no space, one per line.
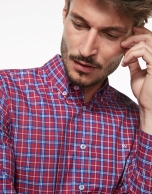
(65,145)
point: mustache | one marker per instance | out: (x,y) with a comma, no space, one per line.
(88,60)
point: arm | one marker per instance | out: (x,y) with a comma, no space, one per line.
(140,45)
(138,177)
(7,165)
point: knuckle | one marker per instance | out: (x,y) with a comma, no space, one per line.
(149,39)
(144,49)
(142,43)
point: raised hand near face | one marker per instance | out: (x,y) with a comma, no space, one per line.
(140,45)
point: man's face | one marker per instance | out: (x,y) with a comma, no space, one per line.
(91,40)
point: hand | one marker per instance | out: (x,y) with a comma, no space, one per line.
(140,45)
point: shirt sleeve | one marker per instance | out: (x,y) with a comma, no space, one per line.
(7,164)
(138,178)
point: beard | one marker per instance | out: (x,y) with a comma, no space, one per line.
(79,81)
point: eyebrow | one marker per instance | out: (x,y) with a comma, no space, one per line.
(75,16)
(109,28)
(115,28)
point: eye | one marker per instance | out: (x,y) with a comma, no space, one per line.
(79,26)
(111,36)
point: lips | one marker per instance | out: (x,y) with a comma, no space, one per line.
(83,67)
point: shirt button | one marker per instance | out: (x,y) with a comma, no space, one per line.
(64,93)
(84,108)
(83,146)
(81,187)
(76,87)
(124,146)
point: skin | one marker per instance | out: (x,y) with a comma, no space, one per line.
(140,45)
(94,39)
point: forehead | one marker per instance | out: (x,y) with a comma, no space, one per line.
(98,12)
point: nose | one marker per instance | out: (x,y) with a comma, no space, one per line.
(88,47)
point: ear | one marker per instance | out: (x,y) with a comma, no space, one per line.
(64,12)
(143,24)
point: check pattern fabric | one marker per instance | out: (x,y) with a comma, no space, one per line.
(53,142)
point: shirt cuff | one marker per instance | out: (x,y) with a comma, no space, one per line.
(144,151)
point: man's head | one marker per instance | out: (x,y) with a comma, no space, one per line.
(93,32)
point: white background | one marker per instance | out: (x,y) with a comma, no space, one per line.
(30,35)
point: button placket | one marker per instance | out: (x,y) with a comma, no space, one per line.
(81,187)
(64,93)
(83,146)
(84,108)
(76,87)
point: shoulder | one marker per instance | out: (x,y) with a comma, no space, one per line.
(123,110)
(121,102)
(17,76)
(30,76)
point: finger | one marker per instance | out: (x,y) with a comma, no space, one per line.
(141,30)
(129,52)
(140,45)
(134,67)
(143,35)
(135,39)
(128,61)
(133,55)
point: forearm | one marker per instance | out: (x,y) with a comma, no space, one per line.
(146,121)
(138,178)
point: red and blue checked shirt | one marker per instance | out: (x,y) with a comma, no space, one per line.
(52,142)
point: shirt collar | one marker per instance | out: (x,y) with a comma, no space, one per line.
(56,73)
(57,76)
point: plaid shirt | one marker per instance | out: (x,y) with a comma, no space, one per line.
(52,142)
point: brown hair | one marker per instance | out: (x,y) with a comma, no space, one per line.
(137,10)
(68,6)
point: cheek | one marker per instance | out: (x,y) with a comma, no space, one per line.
(69,40)
(115,52)
(109,50)
(112,65)
(111,58)
(68,34)
(72,37)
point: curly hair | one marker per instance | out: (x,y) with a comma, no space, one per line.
(137,10)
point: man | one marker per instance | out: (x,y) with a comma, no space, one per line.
(63,128)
